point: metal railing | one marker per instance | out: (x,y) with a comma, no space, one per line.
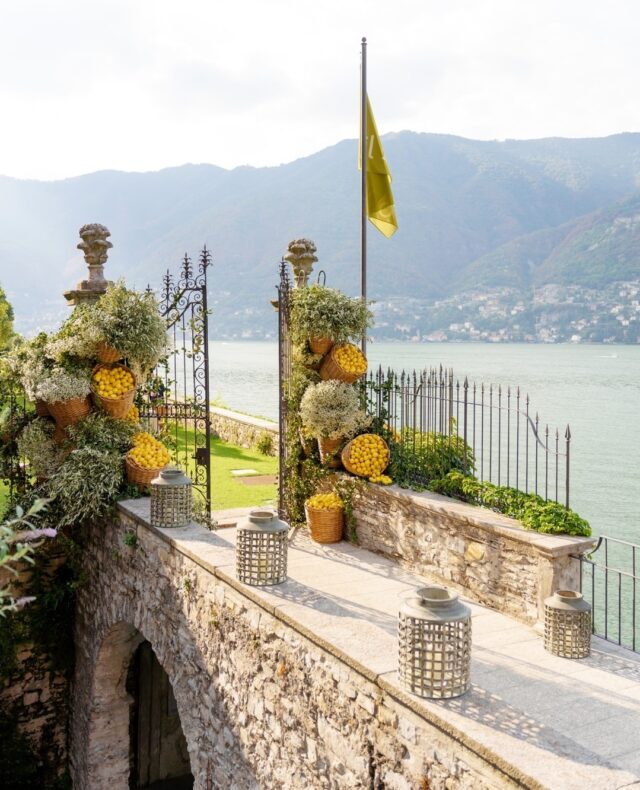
(609,580)
(509,443)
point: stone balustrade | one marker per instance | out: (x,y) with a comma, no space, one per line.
(486,555)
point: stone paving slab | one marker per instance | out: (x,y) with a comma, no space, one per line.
(561,724)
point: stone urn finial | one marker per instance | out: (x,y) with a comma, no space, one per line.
(96,248)
(301,254)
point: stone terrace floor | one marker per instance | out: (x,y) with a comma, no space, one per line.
(561,723)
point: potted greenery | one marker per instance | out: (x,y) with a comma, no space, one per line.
(128,324)
(331,412)
(86,485)
(66,393)
(325,316)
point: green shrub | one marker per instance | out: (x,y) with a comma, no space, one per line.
(103,433)
(86,485)
(531,510)
(35,442)
(417,458)
(265,443)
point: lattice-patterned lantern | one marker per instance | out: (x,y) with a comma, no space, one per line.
(261,552)
(171,499)
(434,633)
(567,624)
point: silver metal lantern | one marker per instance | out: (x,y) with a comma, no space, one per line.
(261,551)
(171,499)
(567,624)
(434,633)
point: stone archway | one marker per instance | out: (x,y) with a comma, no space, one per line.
(112,761)
(160,759)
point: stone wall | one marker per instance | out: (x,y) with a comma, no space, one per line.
(242,429)
(261,704)
(34,687)
(486,555)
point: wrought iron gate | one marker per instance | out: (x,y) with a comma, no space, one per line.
(284,373)
(176,398)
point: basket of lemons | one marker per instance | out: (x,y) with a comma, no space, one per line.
(325,517)
(366,456)
(344,362)
(146,459)
(113,388)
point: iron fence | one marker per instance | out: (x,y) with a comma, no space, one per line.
(509,444)
(609,580)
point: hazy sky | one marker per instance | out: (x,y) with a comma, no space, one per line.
(143,84)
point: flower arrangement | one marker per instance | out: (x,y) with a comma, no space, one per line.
(331,410)
(28,363)
(35,443)
(78,337)
(318,311)
(129,321)
(60,385)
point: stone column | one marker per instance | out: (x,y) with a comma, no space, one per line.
(301,254)
(96,248)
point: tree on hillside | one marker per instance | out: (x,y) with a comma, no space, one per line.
(6,321)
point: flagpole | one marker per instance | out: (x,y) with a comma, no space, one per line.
(363,171)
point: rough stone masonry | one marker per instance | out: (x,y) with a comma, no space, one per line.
(261,705)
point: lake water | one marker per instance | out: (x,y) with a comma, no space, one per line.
(593,388)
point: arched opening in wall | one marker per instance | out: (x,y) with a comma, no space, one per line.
(158,749)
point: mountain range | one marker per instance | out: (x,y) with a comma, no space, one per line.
(509,226)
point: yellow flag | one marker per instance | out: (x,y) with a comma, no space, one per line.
(380,206)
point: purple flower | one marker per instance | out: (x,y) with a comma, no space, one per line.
(36,534)
(22,602)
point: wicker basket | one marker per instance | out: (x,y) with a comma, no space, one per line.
(42,410)
(345,455)
(59,436)
(331,369)
(329,452)
(115,407)
(69,412)
(107,354)
(320,345)
(140,475)
(325,526)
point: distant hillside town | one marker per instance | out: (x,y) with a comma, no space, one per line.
(550,314)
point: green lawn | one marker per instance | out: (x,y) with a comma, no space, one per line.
(228,491)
